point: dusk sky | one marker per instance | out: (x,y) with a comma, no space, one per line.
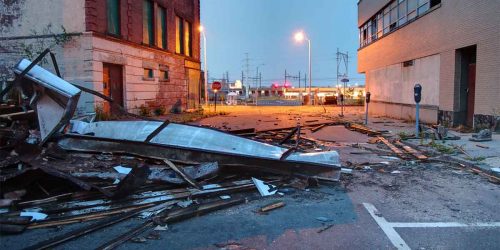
(264,29)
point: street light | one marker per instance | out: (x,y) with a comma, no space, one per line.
(202,31)
(299,37)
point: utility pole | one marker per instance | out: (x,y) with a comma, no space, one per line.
(299,79)
(285,76)
(247,65)
(260,80)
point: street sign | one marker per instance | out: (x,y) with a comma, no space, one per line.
(216,86)
(344,80)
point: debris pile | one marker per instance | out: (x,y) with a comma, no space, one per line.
(56,171)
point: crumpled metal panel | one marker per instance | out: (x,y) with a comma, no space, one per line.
(198,138)
(46,79)
(53,98)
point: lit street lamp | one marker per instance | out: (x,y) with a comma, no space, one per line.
(299,37)
(202,31)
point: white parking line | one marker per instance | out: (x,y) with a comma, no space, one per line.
(444,224)
(395,238)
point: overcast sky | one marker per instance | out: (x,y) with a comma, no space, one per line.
(264,29)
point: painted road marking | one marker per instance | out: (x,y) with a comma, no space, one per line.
(395,238)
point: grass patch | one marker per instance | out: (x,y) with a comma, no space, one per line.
(476,159)
(404,135)
(443,148)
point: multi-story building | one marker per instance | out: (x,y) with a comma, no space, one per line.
(450,47)
(139,52)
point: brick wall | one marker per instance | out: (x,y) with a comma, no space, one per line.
(454,25)
(131,20)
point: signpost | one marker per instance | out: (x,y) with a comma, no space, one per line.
(216,86)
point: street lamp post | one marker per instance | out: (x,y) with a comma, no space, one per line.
(205,63)
(299,37)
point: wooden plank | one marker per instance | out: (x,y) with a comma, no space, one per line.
(272,206)
(412,151)
(391,146)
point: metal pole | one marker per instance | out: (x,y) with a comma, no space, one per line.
(310,72)
(417,118)
(215,100)
(205,66)
(366,114)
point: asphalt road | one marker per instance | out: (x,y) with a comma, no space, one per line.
(423,206)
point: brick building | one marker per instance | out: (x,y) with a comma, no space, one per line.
(450,47)
(139,52)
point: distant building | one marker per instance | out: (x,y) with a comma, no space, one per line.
(140,52)
(450,47)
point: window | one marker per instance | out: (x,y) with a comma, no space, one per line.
(148,74)
(113,15)
(187,38)
(179,31)
(434,3)
(164,73)
(402,12)
(396,14)
(412,9)
(423,6)
(408,63)
(387,20)
(161,28)
(147,22)
(374,29)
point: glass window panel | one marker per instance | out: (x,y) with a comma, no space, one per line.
(380,25)
(164,75)
(394,15)
(423,8)
(187,38)
(374,29)
(412,5)
(161,28)
(113,15)
(148,73)
(412,15)
(147,22)
(387,19)
(402,9)
(179,31)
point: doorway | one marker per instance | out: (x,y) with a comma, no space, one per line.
(112,86)
(466,73)
(193,78)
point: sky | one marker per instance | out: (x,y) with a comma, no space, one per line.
(265,30)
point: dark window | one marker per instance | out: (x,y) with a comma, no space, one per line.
(148,73)
(113,15)
(161,28)
(147,22)
(164,73)
(408,63)
(435,2)
(179,35)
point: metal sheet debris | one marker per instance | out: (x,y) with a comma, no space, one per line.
(265,189)
(53,98)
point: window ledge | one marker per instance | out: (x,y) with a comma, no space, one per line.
(148,79)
